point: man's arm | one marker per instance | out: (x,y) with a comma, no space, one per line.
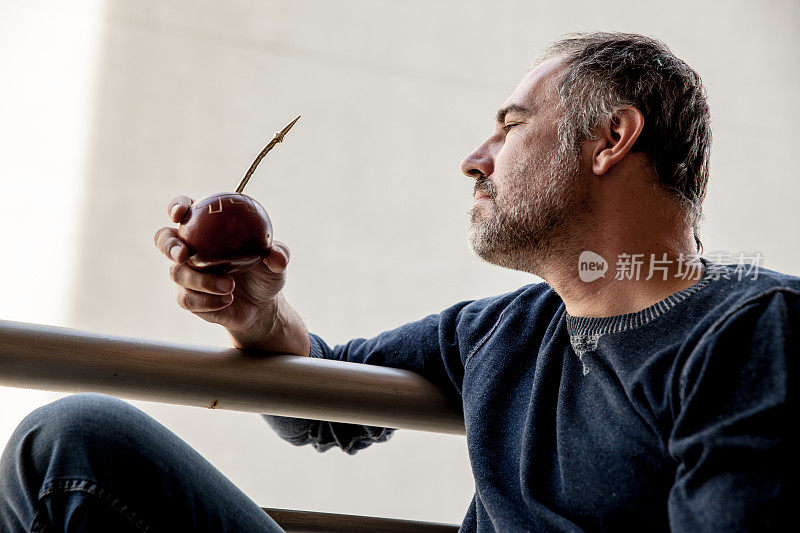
(252,309)
(280,330)
(729,436)
(428,347)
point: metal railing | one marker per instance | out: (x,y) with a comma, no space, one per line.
(66,360)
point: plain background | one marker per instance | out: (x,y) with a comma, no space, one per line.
(108,109)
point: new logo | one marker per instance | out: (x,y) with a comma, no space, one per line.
(591,266)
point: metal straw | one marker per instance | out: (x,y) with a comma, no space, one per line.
(270,145)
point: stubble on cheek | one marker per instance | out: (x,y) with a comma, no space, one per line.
(520,221)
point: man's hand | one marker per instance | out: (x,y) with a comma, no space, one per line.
(248,304)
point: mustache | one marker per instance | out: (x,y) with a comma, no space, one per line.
(486,186)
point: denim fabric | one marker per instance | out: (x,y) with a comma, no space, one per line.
(671,418)
(91,463)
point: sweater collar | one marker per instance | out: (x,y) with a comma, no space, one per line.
(582,327)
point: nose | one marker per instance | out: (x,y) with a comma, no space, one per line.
(479,163)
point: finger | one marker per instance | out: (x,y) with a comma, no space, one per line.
(167,241)
(189,278)
(198,302)
(177,208)
(278,258)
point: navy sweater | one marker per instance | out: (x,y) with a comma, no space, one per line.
(672,418)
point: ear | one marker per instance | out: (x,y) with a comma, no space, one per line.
(617,137)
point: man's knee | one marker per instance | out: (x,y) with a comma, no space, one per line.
(70,423)
(78,412)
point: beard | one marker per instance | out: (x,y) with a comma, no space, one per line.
(544,193)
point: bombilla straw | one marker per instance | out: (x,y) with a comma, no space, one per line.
(270,145)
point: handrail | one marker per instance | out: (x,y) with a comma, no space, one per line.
(67,360)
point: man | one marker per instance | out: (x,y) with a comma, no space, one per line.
(649,400)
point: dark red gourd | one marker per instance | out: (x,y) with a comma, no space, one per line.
(226,232)
(229,232)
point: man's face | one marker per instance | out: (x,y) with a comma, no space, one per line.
(527,185)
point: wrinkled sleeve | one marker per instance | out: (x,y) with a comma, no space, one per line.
(729,437)
(428,347)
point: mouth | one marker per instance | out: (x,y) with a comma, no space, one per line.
(484,188)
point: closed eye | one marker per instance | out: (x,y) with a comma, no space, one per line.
(510,125)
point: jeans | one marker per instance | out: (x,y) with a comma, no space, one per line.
(90,462)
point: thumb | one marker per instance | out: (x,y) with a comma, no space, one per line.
(278,258)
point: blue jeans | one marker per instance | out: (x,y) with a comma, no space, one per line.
(89,462)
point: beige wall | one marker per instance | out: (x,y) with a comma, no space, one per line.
(366,189)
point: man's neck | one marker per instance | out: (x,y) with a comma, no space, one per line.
(641,268)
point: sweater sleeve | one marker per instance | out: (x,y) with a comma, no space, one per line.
(428,347)
(729,436)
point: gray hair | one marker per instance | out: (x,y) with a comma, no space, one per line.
(609,70)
